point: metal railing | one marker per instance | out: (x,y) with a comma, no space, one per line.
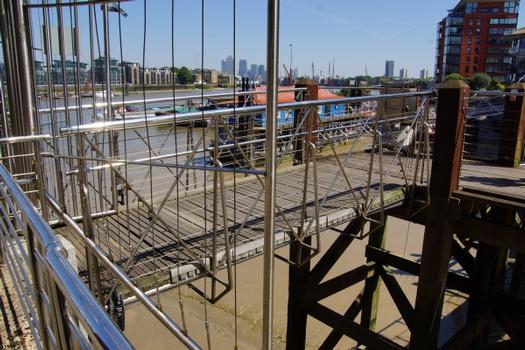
(116,185)
(61,311)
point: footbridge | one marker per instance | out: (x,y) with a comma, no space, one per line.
(109,199)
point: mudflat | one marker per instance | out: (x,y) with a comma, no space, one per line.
(245,302)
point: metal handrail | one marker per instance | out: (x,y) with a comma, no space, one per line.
(163,99)
(95,321)
(137,123)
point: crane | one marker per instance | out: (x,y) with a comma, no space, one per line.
(289,75)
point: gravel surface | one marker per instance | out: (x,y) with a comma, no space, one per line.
(14,329)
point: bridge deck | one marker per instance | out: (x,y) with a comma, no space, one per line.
(161,255)
(492,178)
(161,260)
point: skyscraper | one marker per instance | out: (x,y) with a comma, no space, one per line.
(227,65)
(470,39)
(403,73)
(243,68)
(389,69)
(423,74)
(261,72)
(252,74)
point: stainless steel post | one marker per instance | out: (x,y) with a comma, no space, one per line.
(112,135)
(67,112)
(272,61)
(23,120)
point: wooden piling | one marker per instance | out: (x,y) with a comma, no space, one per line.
(512,128)
(448,144)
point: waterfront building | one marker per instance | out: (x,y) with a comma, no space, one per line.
(70,73)
(166,76)
(100,70)
(39,70)
(471,39)
(243,68)
(226,79)
(389,69)
(197,77)
(131,72)
(208,76)
(517,70)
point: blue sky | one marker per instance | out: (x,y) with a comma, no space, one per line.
(354,32)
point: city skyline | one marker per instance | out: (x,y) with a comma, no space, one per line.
(366,34)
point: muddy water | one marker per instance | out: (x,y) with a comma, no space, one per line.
(403,238)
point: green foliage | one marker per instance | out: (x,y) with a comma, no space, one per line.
(495,84)
(184,75)
(480,81)
(424,83)
(454,76)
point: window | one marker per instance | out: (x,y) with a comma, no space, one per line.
(489,10)
(467,69)
(469,49)
(471,21)
(499,31)
(471,7)
(502,21)
(511,7)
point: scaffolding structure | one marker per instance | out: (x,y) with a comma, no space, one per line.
(158,191)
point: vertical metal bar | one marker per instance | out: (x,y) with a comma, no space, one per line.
(62,53)
(37,285)
(37,147)
(59,175)
(25,96)
(99,175)
(9,51)
(112,135)
(95,284)
(272,62)
(215,207)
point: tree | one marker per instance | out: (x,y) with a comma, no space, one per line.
(184,75)
(453,76)
(423,83)
(495,84)
(479,81)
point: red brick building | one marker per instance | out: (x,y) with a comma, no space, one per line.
(471,39)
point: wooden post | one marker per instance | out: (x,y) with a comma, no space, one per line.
(437,243)
(298,277)
(512,128)
(245,129)
(372,285)
(311,122)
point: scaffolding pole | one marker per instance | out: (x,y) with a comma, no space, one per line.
(271,167)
